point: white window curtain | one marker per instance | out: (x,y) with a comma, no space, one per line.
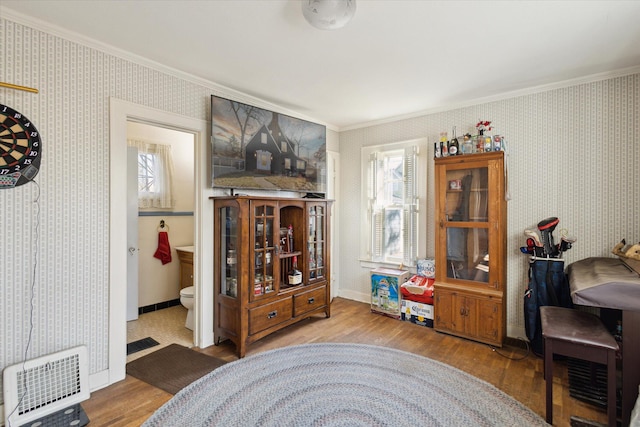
(155,185)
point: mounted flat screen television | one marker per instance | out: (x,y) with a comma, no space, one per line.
(254,148)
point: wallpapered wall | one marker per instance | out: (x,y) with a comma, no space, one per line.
(55,238)
(58,226)
(573,153)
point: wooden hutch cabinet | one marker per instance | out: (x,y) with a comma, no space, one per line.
(257,243)
(471,215)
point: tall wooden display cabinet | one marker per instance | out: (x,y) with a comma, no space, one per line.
(471,215)
(259,242)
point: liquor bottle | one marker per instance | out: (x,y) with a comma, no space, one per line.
(232,257)
(290,238)
(444,148)
(454,145)
(618,334)
(444,144)
(294,276)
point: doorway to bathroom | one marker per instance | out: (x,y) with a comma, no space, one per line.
(120,113)
(160,231)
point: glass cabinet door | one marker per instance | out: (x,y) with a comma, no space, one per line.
(316,243)
(466,217)
(228,251)
(264,249)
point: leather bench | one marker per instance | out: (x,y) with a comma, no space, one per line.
(580,335)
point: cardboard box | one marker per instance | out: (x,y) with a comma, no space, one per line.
(405,311)
(418,288)
(385,291)
(417,312)
(422,321)
(427,268)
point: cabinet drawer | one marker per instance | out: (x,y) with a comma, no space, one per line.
(268,315)
(307,301)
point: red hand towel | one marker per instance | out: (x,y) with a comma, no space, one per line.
(163,253)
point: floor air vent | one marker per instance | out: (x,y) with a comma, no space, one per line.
(45,385)
(588,382)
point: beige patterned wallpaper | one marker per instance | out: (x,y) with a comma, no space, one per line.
(57,228)
(55,238)
(573,153)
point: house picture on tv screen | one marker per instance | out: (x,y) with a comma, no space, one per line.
(254,148)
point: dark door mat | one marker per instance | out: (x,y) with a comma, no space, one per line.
(173,367)
(143,344)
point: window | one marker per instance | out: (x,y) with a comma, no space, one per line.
(390,175)
(155,174)
(147,173)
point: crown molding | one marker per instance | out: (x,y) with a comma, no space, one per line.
(501,97)
(228,92)
(216,88)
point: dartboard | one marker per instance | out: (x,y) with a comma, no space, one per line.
(20,148)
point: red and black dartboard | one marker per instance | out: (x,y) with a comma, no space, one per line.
(20,148)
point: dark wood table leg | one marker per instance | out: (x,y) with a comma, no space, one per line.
(630,362)
(548,378)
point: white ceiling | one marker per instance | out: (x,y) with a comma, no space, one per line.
(395,58)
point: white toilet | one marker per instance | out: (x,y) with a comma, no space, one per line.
(186,299)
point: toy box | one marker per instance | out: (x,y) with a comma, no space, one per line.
(427,268)
(385,290)
(417,312)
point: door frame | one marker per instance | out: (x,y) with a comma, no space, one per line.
(333,193)
(133,260)
(121,112)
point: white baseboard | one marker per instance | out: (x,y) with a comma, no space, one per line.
(355,296)
(100,380)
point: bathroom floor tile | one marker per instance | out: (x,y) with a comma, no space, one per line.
(165,326)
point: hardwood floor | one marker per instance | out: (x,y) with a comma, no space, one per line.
(130,402)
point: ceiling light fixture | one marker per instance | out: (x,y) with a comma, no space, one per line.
(328,14)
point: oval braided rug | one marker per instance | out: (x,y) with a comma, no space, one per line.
(340,385)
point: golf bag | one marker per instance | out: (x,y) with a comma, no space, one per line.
(548,285)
